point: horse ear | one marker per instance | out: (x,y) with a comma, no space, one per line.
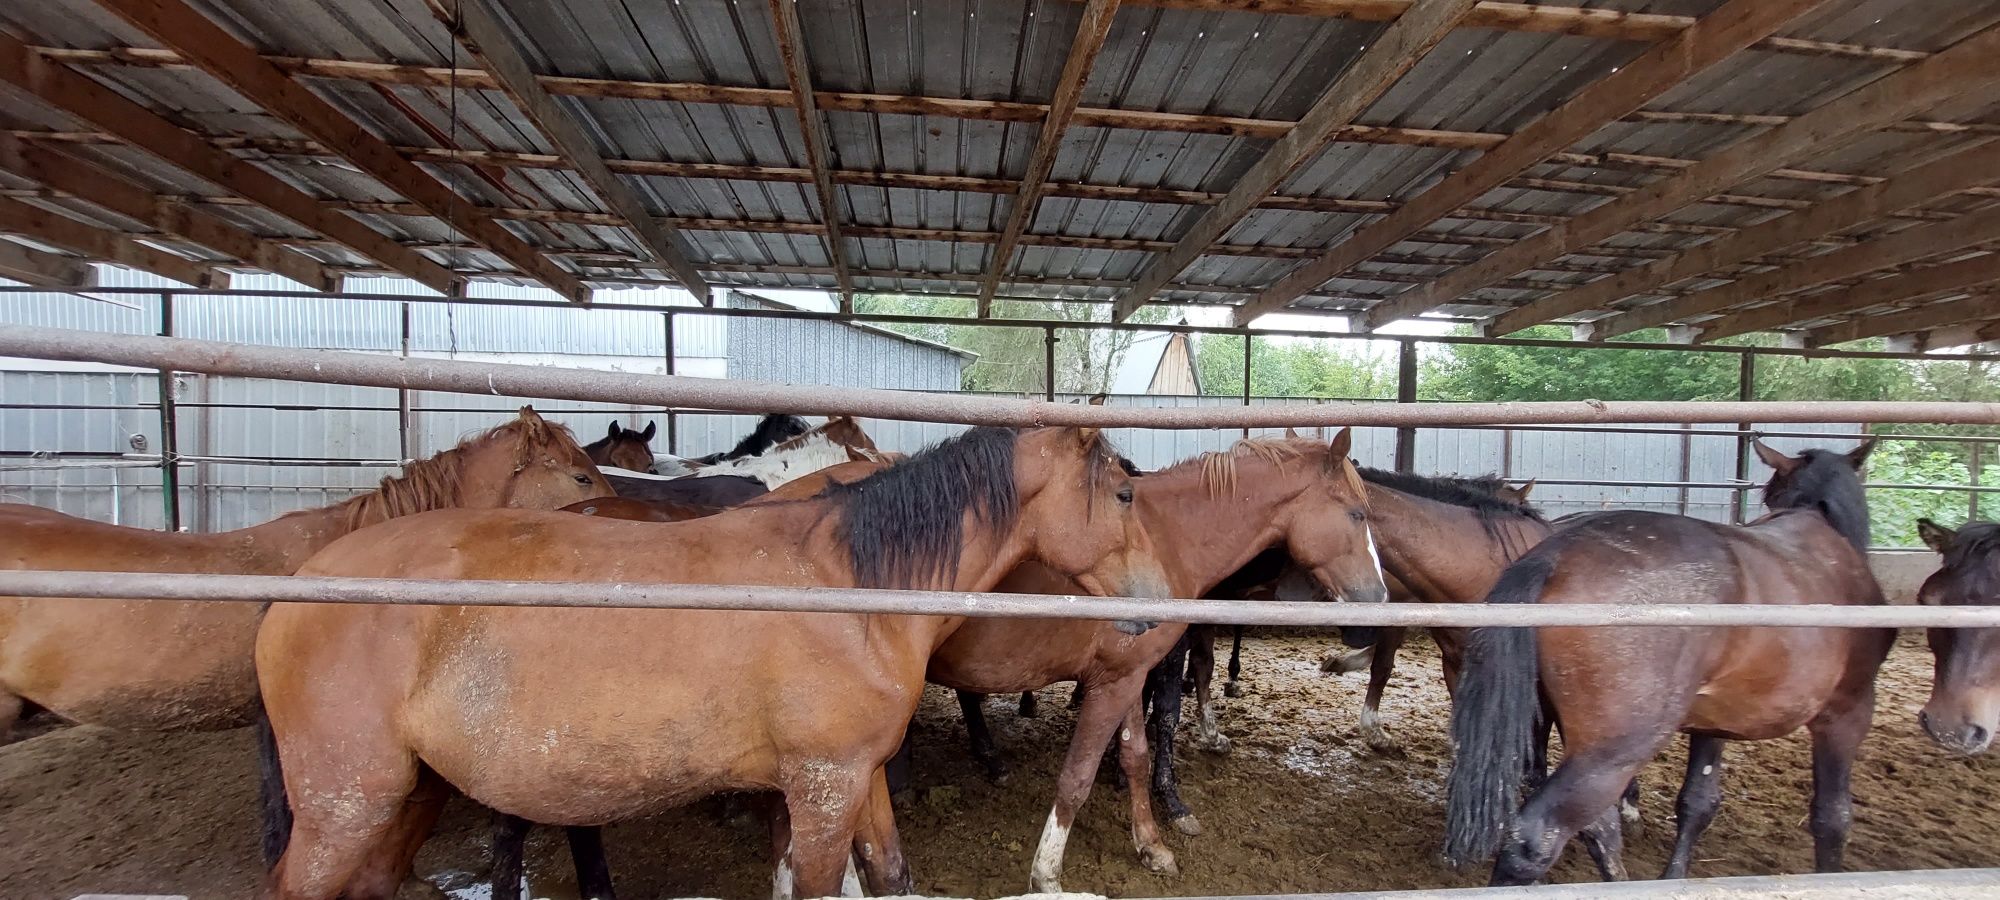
(1291,434)
(1342,446)
(614,432)
(1098,398)
(1858,456)
(1526,488)
(1086,436)
(1776,459)
(1937,537)
(652,428)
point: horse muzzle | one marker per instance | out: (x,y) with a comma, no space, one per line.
(1961,737)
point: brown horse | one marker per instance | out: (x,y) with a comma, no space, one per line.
(664,511)
(624,448)
(1619,694)
(161,665)
(579,717)
(1208,517)
(1964,709)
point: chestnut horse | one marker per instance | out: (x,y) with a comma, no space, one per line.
(583,716)
(1619,694)
(174,665)
(624,448)
(1964,709)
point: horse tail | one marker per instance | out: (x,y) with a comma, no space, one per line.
(1493,722)
(277,807)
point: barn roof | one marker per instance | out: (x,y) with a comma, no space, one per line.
(1821,166)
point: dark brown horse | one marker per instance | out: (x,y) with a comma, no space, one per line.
(1619,694)
(1964,709)
(584,716)
(624,448)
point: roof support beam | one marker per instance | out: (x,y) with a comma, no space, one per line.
(812,126)
(1721,34)
(76,95)
(1944,315)
(1966,169)
(236,64)
(100,187)
(43,226)
(1968,68)
(478,28)
(1917,283)
(42,269)
(1387,58)
(1090,34)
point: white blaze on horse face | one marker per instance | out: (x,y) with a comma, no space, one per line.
(1046,875)
(1374,556)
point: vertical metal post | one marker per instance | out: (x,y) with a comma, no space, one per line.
(673,425)
(1746,388)
(1049,363)
(1406,392)
(170,476)
(1249,348)
(1687,465)
(1972,497)
(405,415)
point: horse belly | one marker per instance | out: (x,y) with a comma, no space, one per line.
(998,656)
(142,665)
(1775,681)
(557,777)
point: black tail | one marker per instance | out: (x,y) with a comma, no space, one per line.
(1493,722)
(271,791)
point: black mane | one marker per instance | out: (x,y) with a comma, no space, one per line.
(1826,481)
(1477,493)
(771,431)
(905,526)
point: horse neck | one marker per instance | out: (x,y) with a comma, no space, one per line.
(1441,551)
(1202,539)
(286,542)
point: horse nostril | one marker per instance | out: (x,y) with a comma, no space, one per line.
(1975,736)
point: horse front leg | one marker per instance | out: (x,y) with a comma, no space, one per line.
(1387,642)
(1836,740)
(1701,796)
(1232,688)
(1104,707)
(1164,683)
(593,870)
(988,756)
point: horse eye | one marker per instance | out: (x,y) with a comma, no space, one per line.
(582,479)
(1125,494)
(1357,515)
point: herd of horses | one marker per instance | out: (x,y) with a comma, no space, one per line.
(370,717)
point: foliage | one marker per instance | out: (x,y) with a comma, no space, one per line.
(1293,368)
(1473,372)
(1013,360)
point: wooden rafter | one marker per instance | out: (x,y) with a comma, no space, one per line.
(1724,32)
(1967,68)
(236,64)
(1966,273)
(1960,171)
(100,187)
(478,28)
(42,269)
(1387,59)
(73,94)
(43,226)
(812,127)
(1091,31)
(1916,319)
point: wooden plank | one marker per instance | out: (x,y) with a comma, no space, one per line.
(72,93)
(476,26)
(812,126)
(1895,289)
(1090,34)
(1960,171)
(46,227)
(236,64)
(99,187)
(1948,314)
(43,269)
(1968,68)
(1719,35)
(1386,60)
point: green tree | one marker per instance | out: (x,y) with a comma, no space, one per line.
(1517,372)
(1013,359)
(1295,368)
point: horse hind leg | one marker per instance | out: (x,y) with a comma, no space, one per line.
(879,847)
(1701,796)
(1605,840)
(1836,739)
(383,872)
(1031,707)
(1382,667)
(1201,670)
(1582,793)
(1164,684)
(981,738)
(1233,687)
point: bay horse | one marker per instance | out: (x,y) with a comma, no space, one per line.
(1964,706)
(1619,694)
(570,716)
(624,448)
(1208,517)
(186,665)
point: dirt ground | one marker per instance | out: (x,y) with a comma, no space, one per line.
(1300,806)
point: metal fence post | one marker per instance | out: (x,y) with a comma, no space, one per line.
(673,425)
(170,476)
(1249,345)
(1746,387)
(1406,392)
(1972,497)
(405,414)
(1049,362)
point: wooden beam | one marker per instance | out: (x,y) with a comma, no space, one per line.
(812,127)
(476,26)
(1386,59)
(1722,33)
(1904,321)
(1895,289)
(1966,169)
(1091,31)
(43,269)
(236,64)
(43,226)
(73,94)
(100,187)
(1966,69)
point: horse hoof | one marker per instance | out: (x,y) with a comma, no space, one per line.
(1188,825)
(1159,861)
(1231,689)
(1341,664)
(1629,812)
(1383,744)
(1219,745)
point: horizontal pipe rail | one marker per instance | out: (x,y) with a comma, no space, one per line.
(335,367)
(1935,883)
(395,591)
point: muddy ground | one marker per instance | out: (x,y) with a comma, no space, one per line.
(1301,805)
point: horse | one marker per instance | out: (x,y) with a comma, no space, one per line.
(1208,517)
(695,496)
(579,717)
(157,665)
(1964,703)
(624,448)
(770,431)
(838,441)
(1618,694)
